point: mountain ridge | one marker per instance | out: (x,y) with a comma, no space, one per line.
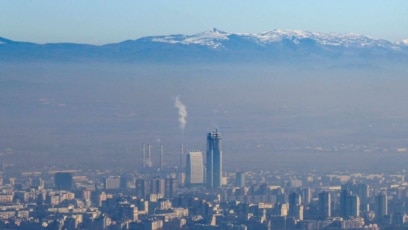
(215,45)
(277,35)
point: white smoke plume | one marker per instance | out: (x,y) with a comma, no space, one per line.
(182,111)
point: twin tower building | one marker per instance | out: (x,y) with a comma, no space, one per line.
(195,170)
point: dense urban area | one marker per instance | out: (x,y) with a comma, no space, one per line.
(203,115)
(198,194)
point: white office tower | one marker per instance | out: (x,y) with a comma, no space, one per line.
(194,169)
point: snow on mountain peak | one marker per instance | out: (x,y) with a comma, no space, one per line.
(332,39)
(214,38)
(209,38)
(278,35)
(404,42)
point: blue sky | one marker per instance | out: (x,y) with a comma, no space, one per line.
(100,22)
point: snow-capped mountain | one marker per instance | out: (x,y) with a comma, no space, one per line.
(217,46)
(215,38)
(211,38)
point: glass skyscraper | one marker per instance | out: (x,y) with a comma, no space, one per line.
(213,160)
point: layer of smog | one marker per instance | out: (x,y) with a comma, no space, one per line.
(319,116)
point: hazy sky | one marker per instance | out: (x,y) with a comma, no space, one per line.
(99,22)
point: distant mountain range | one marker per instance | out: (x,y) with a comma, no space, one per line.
(216,46)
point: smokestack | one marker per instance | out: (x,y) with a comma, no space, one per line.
(149,156)
(161,156)
(143,156)
(181,170)
(181,158)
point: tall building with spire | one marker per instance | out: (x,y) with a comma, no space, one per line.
(214,160)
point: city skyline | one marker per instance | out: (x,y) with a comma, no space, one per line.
(103,198)
(223,115)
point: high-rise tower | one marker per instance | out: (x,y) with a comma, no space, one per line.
(381,205)
(295,206)
(325,205)
(214,160)
(63,181)
(349,204)
(194,169)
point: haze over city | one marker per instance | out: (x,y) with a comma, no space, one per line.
(213,115)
